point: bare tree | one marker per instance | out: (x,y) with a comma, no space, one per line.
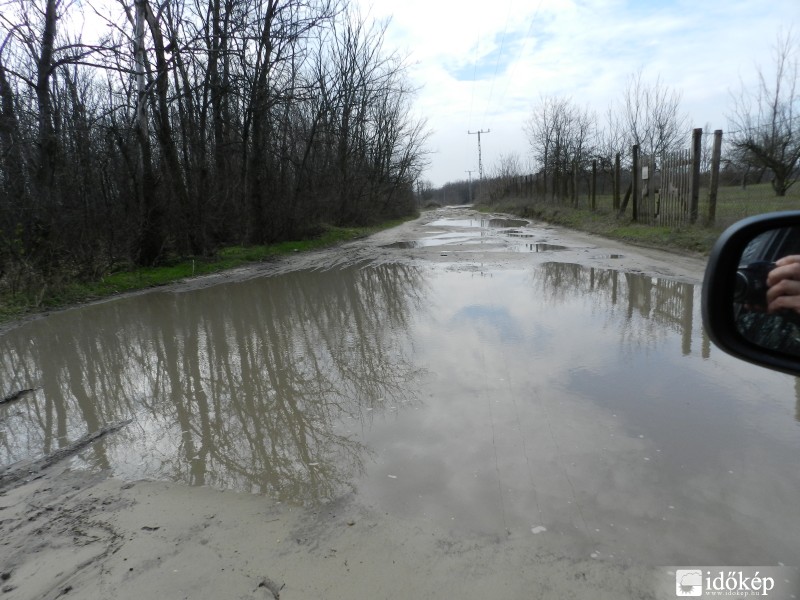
(541,130)
(193,125)
(43,125)
(502,179)
(765,121)
(11,146)
(561,136)
(652,116)
(611,141)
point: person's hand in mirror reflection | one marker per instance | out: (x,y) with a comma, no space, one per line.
(783,291)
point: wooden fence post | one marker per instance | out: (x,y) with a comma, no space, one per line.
(697,141)
(714,183)
(635,182)
(617,183)
(651,191)
(594,184)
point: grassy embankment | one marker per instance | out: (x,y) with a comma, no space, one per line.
(733,203)
(70,292)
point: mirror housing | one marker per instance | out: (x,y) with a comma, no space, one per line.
(719,289)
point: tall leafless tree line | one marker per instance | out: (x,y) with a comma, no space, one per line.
(561,135)
(763,136)
(191,124)
(567,139)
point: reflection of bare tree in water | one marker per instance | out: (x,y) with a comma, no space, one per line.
(662,304)
(243,386)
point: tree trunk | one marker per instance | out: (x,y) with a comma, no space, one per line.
(172,170)
(150,243)
(48,144)
(11,145)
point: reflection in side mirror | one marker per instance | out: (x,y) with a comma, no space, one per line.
(741,310)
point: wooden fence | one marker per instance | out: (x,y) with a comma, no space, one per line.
(664,190)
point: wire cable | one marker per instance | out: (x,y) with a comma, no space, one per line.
(523,47)
(474,75)
(497,63)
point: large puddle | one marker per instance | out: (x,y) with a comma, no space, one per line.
(481,235)
(487,223)
(556,402)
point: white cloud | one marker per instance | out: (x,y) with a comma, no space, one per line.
(585,49)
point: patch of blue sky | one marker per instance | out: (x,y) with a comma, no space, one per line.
(483,318)
(503,50)
(637,7)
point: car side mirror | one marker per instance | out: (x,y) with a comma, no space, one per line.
(734,307)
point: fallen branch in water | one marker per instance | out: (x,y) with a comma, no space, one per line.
(17,471)
(17,395)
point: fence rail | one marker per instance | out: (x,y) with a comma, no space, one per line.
(661,191)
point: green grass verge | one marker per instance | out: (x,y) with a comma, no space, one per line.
(733,203)
(71,292)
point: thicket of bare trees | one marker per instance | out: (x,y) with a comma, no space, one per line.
(568,143)
(562,137)
(566,139)
(192,124)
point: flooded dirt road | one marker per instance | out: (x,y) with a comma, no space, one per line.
(464,406)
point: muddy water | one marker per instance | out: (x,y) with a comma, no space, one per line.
(581,408)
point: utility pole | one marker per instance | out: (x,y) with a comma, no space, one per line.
(480,162)
(470,186)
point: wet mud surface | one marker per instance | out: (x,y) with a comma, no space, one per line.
(464,406)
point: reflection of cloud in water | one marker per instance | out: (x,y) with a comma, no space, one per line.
(602,422)
(496,318)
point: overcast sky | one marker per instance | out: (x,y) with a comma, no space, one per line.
(485,65)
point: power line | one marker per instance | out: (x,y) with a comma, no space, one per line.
(497,63)
(522,48)
(474,75)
